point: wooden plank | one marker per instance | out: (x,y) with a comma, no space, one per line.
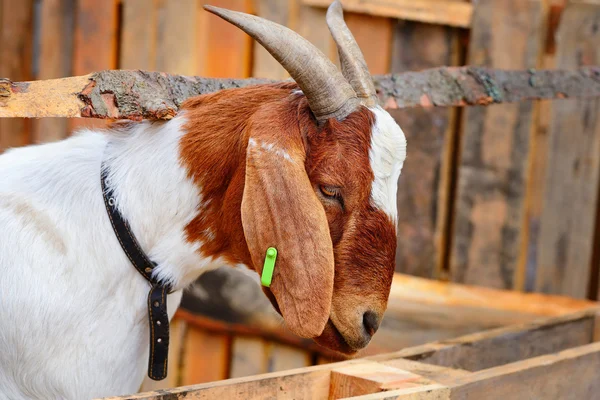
(138,34)
(306,383)
(282,357)
(95,45)
(16,36)
(527,266)
(265,66)
(374,37)
(177,38)
(567,228)
(501,346)
(444,12)
(492,175)
(422,191)
(205,357)
(311,24)
(391,371)
(570,374)
(224,50)
(248,357)
(371,377)
(178,330)
(55,54)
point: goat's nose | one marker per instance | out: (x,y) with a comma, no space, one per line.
(371,322)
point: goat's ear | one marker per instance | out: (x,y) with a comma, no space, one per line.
(280,209)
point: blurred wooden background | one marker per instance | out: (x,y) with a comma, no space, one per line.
(505,196)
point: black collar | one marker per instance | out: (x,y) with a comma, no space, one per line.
(157,298)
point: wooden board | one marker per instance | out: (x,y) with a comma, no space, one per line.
(248,357)
(95,44)
(282,357)
(422,188)
(206,357)
(139,26)
(16,18)
(265,66)
(224,50)
(498,347)
(570,375)
(569,370)
(311,24)
(525,278)
(567,239)
(494,163)
(374,37)
(177,39)
(445,12)
(55,53)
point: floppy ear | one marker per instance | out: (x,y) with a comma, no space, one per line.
(281,210)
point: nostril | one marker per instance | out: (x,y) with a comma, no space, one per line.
(370,322)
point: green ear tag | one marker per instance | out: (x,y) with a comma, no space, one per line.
(269,267)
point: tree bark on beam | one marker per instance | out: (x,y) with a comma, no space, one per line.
(140,95)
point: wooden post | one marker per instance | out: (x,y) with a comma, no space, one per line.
(95,45)
(494,161)
(567,240)
(16,19)
(138,34)
(423,192)
(55,53)
(225,50)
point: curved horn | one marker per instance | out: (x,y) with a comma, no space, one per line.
(354,66)
(328,93)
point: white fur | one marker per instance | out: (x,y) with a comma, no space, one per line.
(72,308)
(387,155)
(270,147)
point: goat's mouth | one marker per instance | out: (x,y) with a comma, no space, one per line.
(334,340)
(331,337)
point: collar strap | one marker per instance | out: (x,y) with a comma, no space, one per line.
(157,298)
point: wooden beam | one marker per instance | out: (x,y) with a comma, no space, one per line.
(139,25)
(16,31)
(394,376)
(55,54)
(95,43)
(265,65)
(570,374)
(567,241)
(423,186)
(495,148)
(501,346)
(445,12)
(153,95)
(304,383)
(371,377)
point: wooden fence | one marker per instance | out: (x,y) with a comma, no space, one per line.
(244,336)
(556,358)
(503,196)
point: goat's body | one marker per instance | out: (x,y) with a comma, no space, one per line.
(74,318)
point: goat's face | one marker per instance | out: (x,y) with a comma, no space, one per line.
(320,186)
(325,197)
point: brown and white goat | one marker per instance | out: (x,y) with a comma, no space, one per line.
(310,168)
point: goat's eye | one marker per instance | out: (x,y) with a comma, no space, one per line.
(330,191)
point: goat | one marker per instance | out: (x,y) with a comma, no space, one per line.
(309,167)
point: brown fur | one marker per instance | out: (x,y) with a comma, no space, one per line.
(362,237)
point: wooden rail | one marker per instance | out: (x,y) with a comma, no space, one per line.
(152,95)
(551,358)
(444,12)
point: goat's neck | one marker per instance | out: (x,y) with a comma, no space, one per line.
(155,194)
